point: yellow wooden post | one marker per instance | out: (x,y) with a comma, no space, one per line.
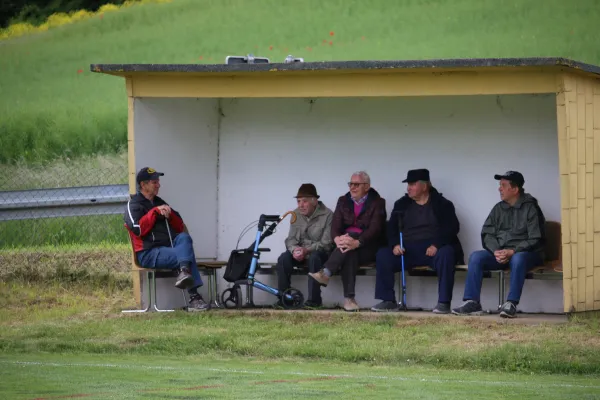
(135,273)
(578,120)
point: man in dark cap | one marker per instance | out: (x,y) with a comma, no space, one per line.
(429,227)
(308,242)
(159,236)
(513,237)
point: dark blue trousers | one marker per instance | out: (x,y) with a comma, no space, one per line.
(172,257)
(483,260)
(387,264)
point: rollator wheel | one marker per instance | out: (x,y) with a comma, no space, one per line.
(232,297)
(292,298)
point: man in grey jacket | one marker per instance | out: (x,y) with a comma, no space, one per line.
(513,237)
(308,242)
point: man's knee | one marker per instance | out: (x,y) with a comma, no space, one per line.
(185,238)
(446,256)
(285,260)
(384,259)
(314,261)
(521,262)
(477,259)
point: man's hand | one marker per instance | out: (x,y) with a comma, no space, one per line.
(503,256)
(398,251)
(164,210)
(299,254)
(431,251)
(346,243)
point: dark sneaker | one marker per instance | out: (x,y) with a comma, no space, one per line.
(442,308)
(197,303)
(385,306)
(508,310)
(278,304)
(470,307)
(184,279)
(320,277)
(312,304)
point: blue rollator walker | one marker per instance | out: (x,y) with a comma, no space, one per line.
(242,265)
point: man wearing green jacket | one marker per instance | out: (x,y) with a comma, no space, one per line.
(513,237)
(309,242)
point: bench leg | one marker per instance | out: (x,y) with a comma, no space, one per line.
(249,296)
(213,291)
(501,289)
(149,298)
(154,306)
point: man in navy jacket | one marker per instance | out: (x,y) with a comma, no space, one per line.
(430,227)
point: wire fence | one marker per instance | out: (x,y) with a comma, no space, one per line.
(64,202)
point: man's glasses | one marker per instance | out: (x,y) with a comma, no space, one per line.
(355,184)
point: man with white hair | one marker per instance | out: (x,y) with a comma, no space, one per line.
(358,230)
(308,242)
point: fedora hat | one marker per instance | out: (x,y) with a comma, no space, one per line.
(307,190)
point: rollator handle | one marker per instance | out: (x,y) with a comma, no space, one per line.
(269,218)
(261,250)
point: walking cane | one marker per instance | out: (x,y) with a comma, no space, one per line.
(402,304)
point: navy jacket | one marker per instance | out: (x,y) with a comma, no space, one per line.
(447,220)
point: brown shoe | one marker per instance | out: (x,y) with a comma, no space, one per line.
(320,277)
(350,304)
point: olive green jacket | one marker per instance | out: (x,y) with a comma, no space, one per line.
(313,233)
(519,227)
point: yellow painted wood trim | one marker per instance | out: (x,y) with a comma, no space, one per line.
(137,292)
(129,86)
(345,85)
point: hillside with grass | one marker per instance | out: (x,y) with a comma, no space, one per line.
(52,106)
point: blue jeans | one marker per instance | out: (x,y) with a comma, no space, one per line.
(387,264)
(483,260)
(172,258)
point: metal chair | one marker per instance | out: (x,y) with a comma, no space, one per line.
(151,274)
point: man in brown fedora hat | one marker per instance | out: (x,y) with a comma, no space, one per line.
(308,242)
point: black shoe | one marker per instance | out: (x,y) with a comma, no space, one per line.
(385,306)
(470,307)
(508,310)
(197,303)
(312,304)
(184,279)
(442,308)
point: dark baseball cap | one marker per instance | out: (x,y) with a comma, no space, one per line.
(415,175)
(147,174)
(512,176)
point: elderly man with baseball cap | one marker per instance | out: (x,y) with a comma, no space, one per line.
(308,242)
(159,236)
(430,227)
(513,237)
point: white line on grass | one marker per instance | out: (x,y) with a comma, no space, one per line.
(241,371)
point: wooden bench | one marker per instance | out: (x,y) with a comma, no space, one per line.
(551,270)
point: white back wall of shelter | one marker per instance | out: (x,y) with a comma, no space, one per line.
(229,160)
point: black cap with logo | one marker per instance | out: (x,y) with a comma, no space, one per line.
(147,174)
(512,176)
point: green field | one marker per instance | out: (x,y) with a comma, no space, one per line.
(193,377)
(51,105)
(66,338)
